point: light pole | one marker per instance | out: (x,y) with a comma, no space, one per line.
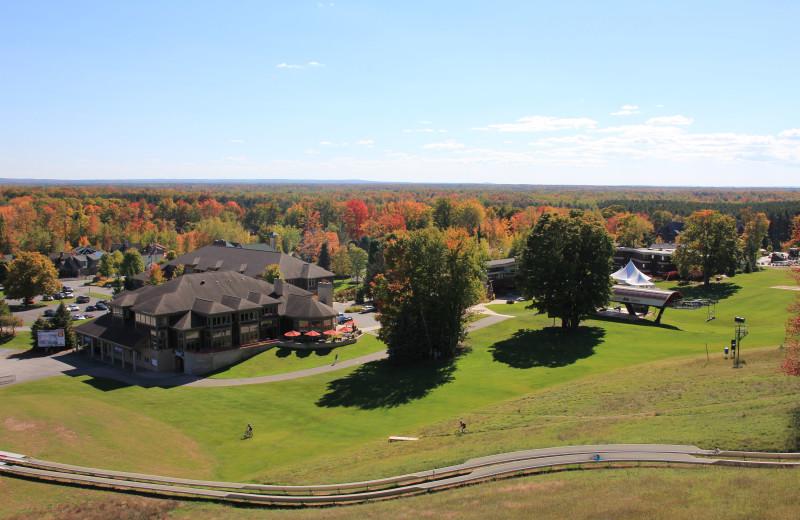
(741,331)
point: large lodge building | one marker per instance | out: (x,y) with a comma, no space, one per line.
(200,322)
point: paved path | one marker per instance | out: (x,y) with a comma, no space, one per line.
(27,367)
(471,471)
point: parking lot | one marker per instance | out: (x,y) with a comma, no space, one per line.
(28,316)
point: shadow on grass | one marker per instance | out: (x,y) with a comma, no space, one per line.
(283,352)
(106,385)
(323,351)
(551,347)
(715,291)
(381,384)
(642,322)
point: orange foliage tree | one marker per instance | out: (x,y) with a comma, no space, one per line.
(791,363)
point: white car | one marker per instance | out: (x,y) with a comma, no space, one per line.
(78,317)
(73,308)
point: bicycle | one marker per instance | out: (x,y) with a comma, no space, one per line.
(461,431)
(248,433)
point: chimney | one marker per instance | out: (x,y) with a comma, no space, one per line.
(273,240)
(278,284)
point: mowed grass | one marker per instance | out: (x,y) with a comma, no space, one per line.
(283,360)
(520,386)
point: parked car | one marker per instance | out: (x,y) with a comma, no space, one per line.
(78,317)
(82,299)
(109,285)
(100,306)
(367,308)
(28,301)
(344,319)
(89,316)
(47,298)
(49,313)
(73,308)
(91,308)
(58,295)
(68,295)
(66,289)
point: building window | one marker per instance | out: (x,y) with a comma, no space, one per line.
(249,333)
(189,340)
(144,319)
(220,338)
(158,339)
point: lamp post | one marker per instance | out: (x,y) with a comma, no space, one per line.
(741,332)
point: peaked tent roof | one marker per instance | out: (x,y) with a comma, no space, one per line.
(631,275)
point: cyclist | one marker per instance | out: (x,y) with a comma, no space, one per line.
(463,426)
(249,429)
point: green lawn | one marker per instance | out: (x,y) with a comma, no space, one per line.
(281,360)
(520,385)
(343,283)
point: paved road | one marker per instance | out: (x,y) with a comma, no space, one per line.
(474,470)
(28,367)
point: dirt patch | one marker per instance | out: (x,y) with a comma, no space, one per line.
(66,433)
(16,425)
(533,486)
(787,287)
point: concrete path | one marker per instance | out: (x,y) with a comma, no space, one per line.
(27,367)
(471,471)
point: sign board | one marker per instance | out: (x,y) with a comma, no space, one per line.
(51,338)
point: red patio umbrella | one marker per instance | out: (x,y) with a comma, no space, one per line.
(313,333)
(292,334)
(346,329)
(331,332)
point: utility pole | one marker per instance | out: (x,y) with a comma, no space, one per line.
(741,332)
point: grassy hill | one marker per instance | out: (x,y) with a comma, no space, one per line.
(522,384)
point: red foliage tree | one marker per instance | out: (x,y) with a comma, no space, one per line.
(355,214)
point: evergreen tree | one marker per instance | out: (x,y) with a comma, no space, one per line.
(63,320)
(324,257)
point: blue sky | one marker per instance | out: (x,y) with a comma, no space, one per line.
(643,93)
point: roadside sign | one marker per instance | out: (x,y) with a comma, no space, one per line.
(51,338)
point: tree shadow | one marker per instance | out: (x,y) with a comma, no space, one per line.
(641,322)
(715,291)
(283,352)
(106,385)
(551,347)
(381,384)
(323,351)
(302,352)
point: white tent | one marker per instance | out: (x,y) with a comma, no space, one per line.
(630,275)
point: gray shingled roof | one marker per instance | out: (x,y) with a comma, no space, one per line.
(250,262)
(103,328)
(219,292)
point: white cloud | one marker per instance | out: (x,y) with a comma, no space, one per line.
(541,124)
(315,64)
(449,144)
(287,66)
(659,106)
(793,133)
(237,140)
(670,120)
(627,110)
(328,143)
(365,142)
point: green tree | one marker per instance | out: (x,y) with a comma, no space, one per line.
(63,320)
(107,267)
(565,266)
(756,228)
(272,272)
(432,279)
(324,260)
(41,323)
(131,265)
(358,260)
(31,274)
(633,231)
(5,265)
(10,323)
(710,244)
(443,213)
(341,262)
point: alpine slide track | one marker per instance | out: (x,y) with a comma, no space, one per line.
(470,472)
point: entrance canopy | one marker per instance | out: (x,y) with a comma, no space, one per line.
(631,275)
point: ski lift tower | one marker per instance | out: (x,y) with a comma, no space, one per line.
(741,332)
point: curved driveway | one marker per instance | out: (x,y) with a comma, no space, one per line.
(26,366)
